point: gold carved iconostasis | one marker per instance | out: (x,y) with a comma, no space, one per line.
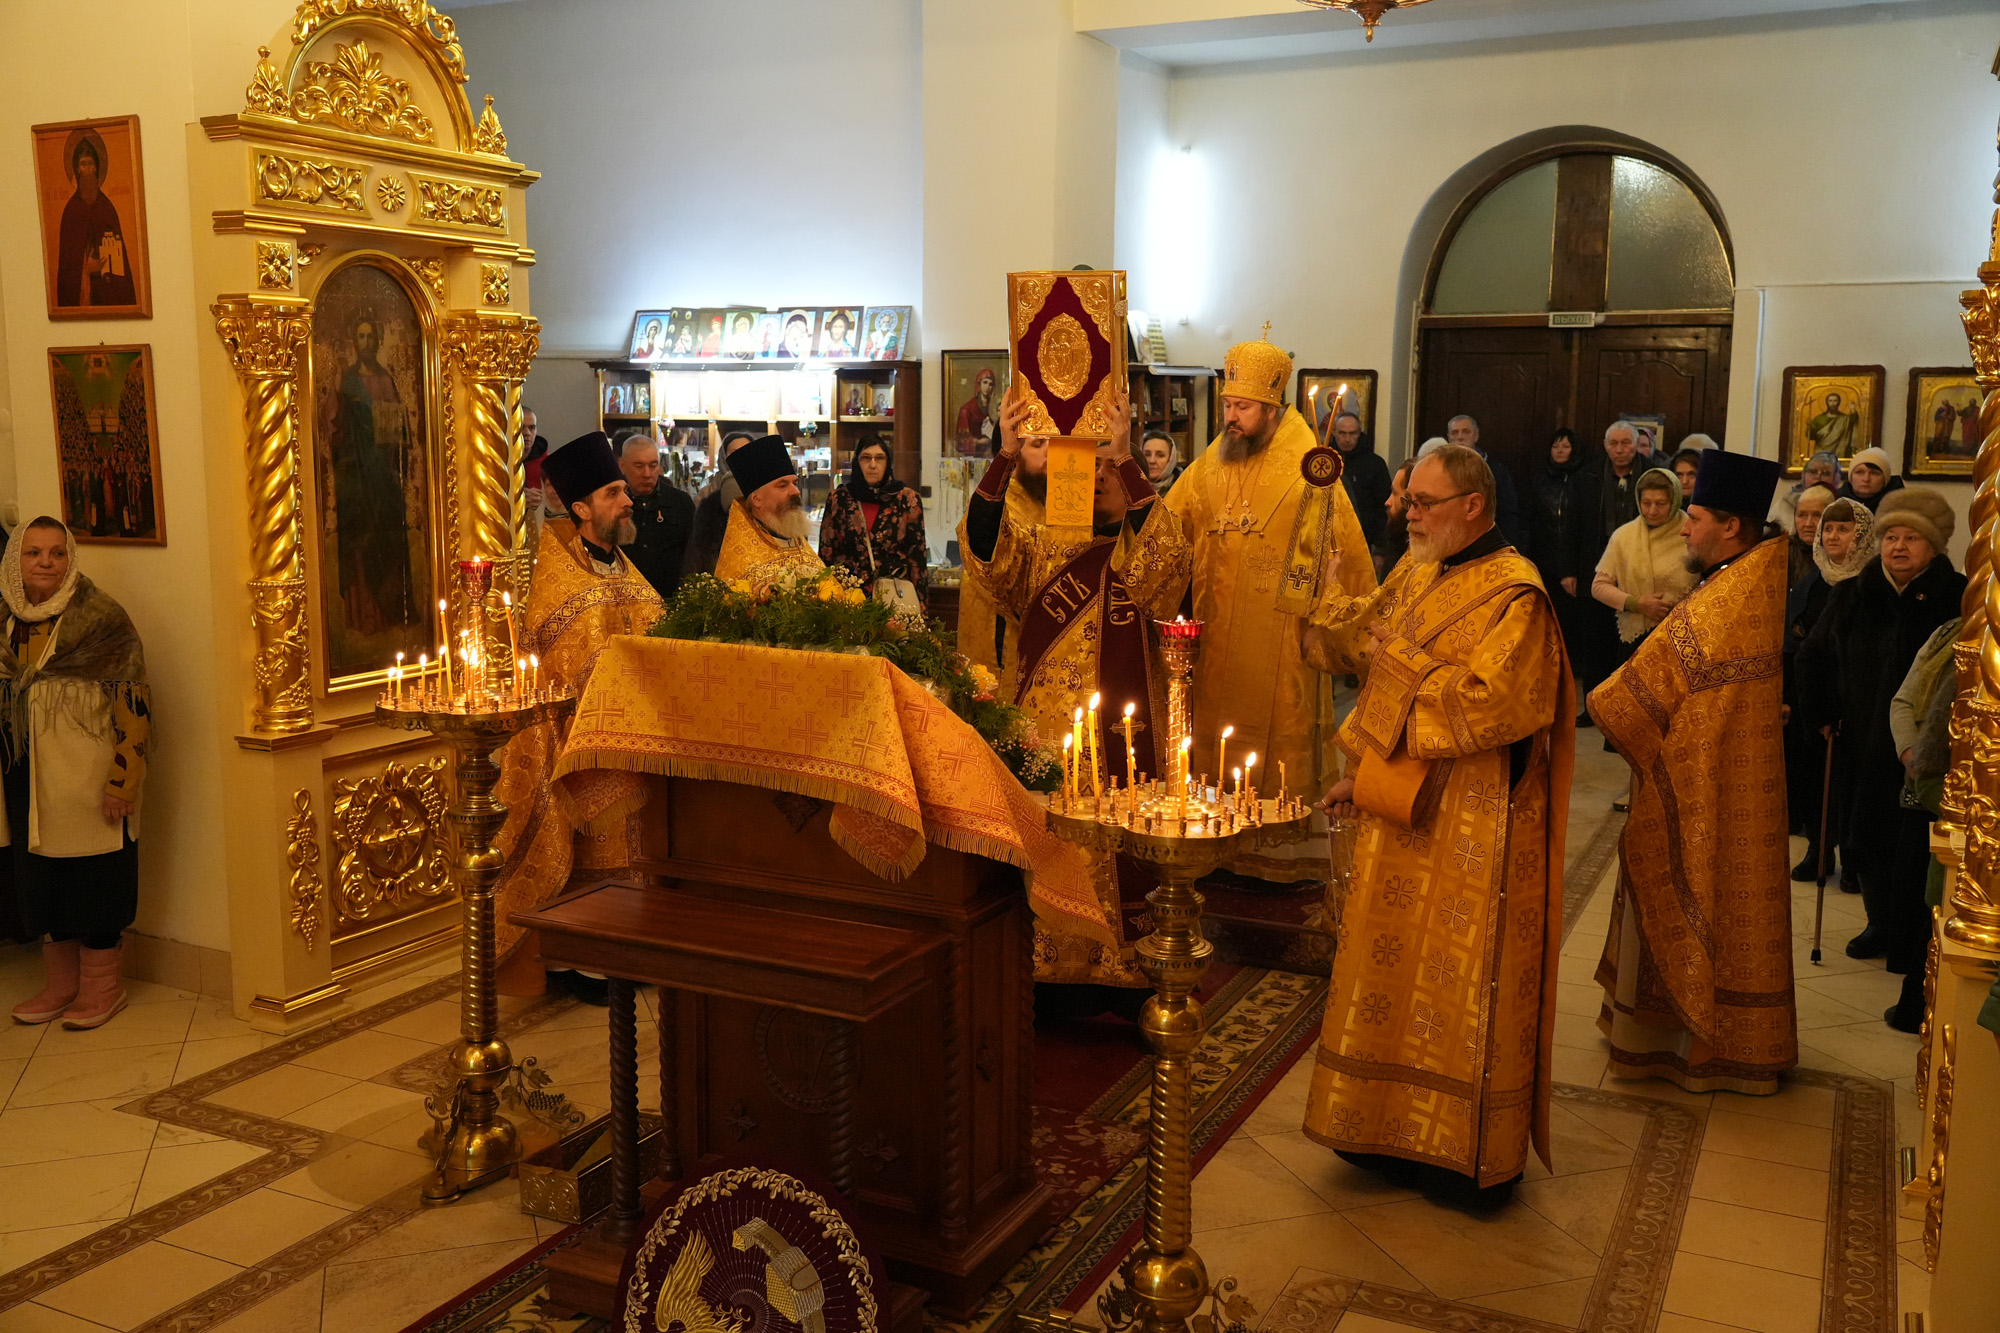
(371,305)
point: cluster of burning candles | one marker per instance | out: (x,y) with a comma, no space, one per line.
(464,680)
(1177,800)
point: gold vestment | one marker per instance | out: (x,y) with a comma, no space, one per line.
(1440,1019)
(750,552)
(1241,517)
(976,611)
(572,610)
(1697,965)
(1146,572)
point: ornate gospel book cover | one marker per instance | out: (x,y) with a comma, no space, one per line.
(1066,345)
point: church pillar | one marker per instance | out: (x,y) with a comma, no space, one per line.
(265,338)
(487,354)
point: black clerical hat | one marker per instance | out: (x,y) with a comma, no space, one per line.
(761,462)
(1735,483)
(580,467)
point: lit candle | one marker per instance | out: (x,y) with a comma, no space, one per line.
(535,674)
(1076,739)
(520,681)
(1131,755)
(1249,763)
(507,603)
(1069,767)
(423,677)
(1281,782)
(1182,775)
(1221,757)
(1096,746)
(1238,773)
(399,678)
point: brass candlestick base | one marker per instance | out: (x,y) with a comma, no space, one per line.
(472,1142)
(1164,1282)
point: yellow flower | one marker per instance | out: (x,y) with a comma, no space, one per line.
(741,587)
(856,597)
(828,590)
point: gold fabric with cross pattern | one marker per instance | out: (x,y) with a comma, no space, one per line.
(1440,1023)
(572,612)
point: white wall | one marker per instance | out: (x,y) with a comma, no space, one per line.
(170,62)
(1851,147)
(704,153)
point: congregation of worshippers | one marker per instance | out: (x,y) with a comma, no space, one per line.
(1769,656)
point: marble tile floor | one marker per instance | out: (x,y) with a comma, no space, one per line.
(339,1243)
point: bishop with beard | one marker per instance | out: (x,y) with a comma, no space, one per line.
(1259,555)
(767,527)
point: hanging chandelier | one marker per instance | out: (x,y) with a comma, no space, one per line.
(1371,11)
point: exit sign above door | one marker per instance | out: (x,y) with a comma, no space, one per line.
(1572,319)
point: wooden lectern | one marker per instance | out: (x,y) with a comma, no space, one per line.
(879,1033)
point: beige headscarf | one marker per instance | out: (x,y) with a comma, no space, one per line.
(1865,540)
(1644,559)
(15,593)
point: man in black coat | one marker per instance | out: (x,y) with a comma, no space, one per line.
(1464,430)
(1366,478)
(1848,671)
(711,516)
(663,515)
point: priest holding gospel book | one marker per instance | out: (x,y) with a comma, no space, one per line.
(1084,599)
(1434,1062)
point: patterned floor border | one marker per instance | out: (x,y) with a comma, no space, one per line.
(1580,880)
(289,1147)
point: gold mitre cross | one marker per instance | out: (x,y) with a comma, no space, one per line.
(1257,370)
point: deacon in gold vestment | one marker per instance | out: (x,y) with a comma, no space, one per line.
(584,591)
(1697,965)
(1441,1016)
(766,538)
(987,634)
(1083,601)
(1259,555)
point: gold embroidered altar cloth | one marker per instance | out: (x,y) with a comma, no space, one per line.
(902,768)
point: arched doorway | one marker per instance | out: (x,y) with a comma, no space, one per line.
(1573,285)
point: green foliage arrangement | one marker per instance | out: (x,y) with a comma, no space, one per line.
(831,611)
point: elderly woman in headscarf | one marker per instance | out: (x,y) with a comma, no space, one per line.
(1644,572)
(1822,469)
(1844,544)
(874,524)
(1870,476)
(75,720)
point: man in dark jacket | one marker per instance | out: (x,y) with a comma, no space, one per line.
(1366,478)
(1464,430)
(663,515)
(711,516)
(1848,671)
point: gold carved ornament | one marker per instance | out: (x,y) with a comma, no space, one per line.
(1064,356)
(302,853)
(487,136)
(459,204)
(432,272)
(494,284)
(353,92)
(314,182)
(391,194)
(274,265)
(1940,1143)
(436,30)
(265,340)
(492,354)
(388,840)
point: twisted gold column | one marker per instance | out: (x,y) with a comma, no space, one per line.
(491,353)
(1971,801)
(265,339)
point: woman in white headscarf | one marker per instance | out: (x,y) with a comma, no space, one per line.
(1843,546)
(75,719)
(1644,572)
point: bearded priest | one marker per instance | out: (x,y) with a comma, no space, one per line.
(1434,1061)
(1084,600)
(1259,553)
(767,527)
(986,634)
(1697,965)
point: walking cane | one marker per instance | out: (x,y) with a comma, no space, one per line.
(1825,800)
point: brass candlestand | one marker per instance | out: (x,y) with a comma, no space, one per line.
(473,1143)
(1181,832)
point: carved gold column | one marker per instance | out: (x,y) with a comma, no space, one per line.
(265,338)
(490,353)
(1971,803)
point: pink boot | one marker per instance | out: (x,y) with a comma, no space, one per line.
(59,961)
(99,996)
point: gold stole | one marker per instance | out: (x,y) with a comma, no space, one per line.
(749,552)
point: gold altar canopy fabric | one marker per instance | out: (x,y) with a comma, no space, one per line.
(1697,967)
(1440,1023)
(749,552)
(850,729)
(1242,518)
(572,613)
